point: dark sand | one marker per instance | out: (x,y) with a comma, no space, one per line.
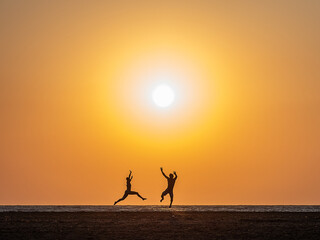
(159,225)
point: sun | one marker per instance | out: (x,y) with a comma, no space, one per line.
(163,96)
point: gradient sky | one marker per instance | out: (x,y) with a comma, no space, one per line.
(75,113)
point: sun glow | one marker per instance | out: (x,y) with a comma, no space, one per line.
(163,96)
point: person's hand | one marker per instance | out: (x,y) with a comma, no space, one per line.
(130,171)
(174,172)
(161,168)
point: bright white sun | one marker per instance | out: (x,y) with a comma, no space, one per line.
(163,96)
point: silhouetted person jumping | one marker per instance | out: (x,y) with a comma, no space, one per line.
(171,182)
(128,191)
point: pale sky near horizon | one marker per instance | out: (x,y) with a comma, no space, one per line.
(76,112)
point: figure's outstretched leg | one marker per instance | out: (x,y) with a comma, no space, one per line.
(136,193)
(121,199)
(171,199)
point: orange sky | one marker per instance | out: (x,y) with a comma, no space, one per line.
(75,113)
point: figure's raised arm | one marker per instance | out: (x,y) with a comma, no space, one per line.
(163,173)
(175,175)
(130,174)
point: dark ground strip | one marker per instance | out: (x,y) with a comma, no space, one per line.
(159,225)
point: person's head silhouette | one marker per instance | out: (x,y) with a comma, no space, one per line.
(171,175)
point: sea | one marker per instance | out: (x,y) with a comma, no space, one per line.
(160,208)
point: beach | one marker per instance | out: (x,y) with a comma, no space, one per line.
(159,225)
